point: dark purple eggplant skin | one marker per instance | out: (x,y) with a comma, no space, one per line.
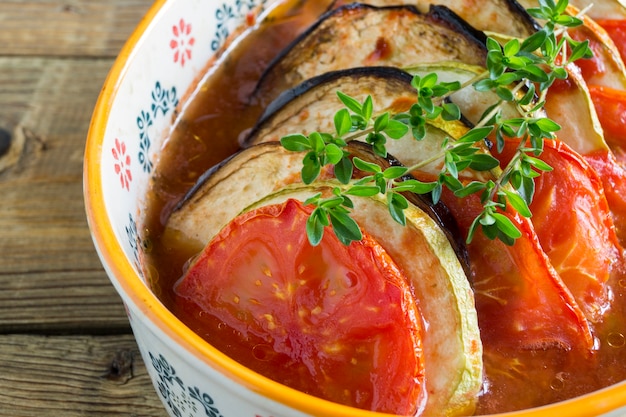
(387,75)
(446,16)
(522,26)
(452,39)
(438,212)
(519,10)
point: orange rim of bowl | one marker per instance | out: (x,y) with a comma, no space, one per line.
(110,250)
(130,283)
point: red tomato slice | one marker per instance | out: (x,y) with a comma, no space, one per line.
(616,28)
(339,322)
(595,65)
(574,225)
(606,60)
(613,177)
(610,105)
(520,299)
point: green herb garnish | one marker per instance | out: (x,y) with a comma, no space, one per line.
(534,63)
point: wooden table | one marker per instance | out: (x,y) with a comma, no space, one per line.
(66,348)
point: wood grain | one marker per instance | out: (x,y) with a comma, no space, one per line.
(68,28)
(74,376)
(65,344)
(50,275)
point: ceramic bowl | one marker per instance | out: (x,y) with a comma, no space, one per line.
(160,63)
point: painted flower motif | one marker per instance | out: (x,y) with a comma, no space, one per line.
(133,239)
(182,42)
(144,122)
(179,398)
(122,164)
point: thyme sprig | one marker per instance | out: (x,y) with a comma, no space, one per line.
(532,64)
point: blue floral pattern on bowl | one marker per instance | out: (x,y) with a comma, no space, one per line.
(179,398)
(226,15)
(128,166)
(150,83)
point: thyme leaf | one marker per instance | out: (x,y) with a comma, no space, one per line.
(533,63)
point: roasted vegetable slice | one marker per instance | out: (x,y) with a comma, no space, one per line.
(613,177)
(499,16)
(472,104)
(519,296)
(310,107)
(338,322)
(569,103)
(611,15)
(574,225)
(610,105)
(451,343)
(606,67)
(602,9)
(616,28)
(358,35)
(207,207)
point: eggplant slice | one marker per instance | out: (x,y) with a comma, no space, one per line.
(358,35)
(499,16)
(264,169)
(314,102)
(310,107)
(267,174)
(473,104)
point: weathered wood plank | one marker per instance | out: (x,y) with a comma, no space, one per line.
(47,106)
(61,302)
(68,28)
(74,377)
(50,276)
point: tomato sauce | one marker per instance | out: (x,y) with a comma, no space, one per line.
(207,131)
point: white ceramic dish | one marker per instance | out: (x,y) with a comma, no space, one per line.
(157,67)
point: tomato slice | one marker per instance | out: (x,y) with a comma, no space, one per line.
(616,28)
(594,66)
(613,177)
(339,322)
(574,225)
(520,299)
(610,105)
(606,66)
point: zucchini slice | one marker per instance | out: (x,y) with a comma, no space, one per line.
(358,35)
(452,345)
(602,9)
(209,205)
(472,104)
(310,106)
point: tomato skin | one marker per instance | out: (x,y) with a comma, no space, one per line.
(610,106)
(521,301)
(595,65)
(616,28)
(613,177)
(574,225)
(608,97)
(337,322)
